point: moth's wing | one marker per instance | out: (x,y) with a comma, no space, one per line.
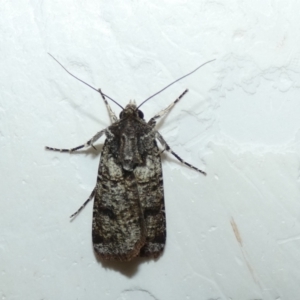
(150,185)
(118,225)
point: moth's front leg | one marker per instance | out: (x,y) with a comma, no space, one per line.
(166,110)
(87,144)
(110,112)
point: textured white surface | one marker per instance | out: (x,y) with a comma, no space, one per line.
(234,234)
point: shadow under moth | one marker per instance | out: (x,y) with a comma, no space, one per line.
(129,212)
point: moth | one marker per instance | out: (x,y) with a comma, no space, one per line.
(129,211)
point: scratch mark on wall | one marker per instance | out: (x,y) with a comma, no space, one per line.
(244,253)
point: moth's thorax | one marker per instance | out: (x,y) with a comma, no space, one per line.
(129,152)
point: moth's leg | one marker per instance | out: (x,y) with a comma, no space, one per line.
(166,110)
(84,204)
(87,144)
(167,147)
(112,115)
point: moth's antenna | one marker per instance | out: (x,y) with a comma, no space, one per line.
(175,82)
(84,81)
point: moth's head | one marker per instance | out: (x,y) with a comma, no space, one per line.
(131,111)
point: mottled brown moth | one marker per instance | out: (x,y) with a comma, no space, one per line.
(129,211)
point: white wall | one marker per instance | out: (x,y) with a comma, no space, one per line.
(234,234)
